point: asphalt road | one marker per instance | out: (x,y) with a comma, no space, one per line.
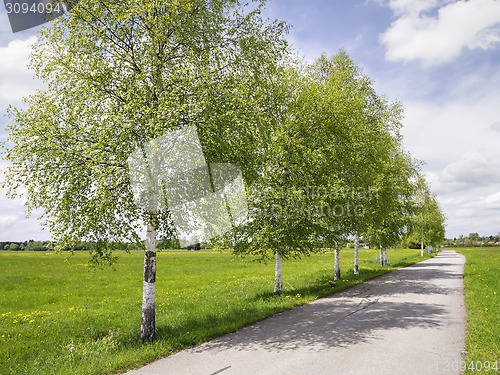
(410,321)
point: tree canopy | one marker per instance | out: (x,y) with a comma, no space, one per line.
(319,150)
(121,74)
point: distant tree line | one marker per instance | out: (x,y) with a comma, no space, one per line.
(473,240)
(32,245)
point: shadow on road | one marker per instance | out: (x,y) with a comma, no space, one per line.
(342,325)
(347,317)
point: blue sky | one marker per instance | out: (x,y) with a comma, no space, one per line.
(440,58)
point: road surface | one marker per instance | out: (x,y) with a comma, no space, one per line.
(409,321)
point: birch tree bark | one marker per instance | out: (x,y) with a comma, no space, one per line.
(148,324)
(278,273)
(356,254)
(385,256)
(381,257)
(336,273)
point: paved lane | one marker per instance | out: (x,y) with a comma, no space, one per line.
(410,321)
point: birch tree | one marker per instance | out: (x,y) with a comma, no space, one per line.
(419,228)
(428,221)
(434,222)
(282,216)
(356,253)
(290,200)
(283,211)
(394,198)
(362,129)
(121,74)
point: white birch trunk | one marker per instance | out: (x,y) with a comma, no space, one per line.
(422,242)
(385,257)
(278,273)
(381,256)
(336,272)
(356,254)
(428,248)
(148,325)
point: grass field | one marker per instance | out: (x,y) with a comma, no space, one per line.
(482,300)
(57,317)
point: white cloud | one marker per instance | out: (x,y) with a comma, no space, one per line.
(441,38)
(412,7)
(493,200)
(469,192)
(456,140)
(495,126)
(7,220)
(473,175)
(16,81)
(14,226)
(439,133)
(473,168)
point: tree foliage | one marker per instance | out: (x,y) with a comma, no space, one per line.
(333,167)
(319,149)
(427,223)
(121,74)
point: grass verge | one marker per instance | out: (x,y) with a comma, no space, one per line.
(58,317)
(482,301)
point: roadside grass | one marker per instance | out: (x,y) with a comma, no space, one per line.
(59,317)
(482,300)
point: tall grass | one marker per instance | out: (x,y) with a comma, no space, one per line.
(482,300)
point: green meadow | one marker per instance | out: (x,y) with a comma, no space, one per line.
(482,300)
(58,316)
